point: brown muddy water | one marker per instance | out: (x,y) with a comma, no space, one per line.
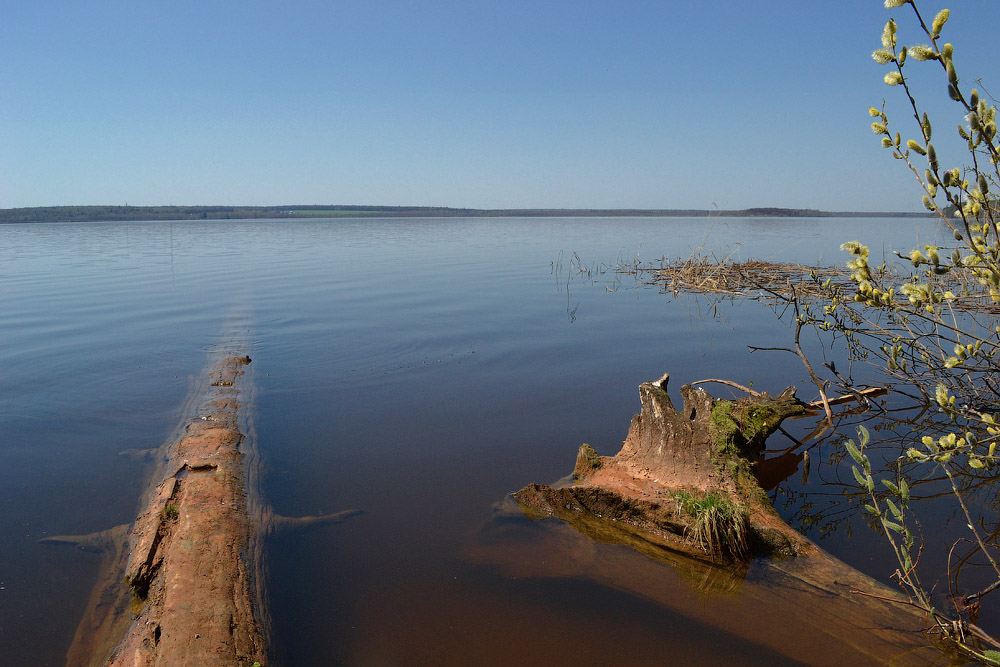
(418,370)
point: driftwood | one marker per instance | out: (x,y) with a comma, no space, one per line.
(638,499)
(183,584)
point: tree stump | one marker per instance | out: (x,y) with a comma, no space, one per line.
(685,479)
(799,600)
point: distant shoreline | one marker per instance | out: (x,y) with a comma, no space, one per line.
(152,213)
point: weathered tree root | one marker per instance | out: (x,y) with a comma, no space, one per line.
(679,474)
(181,586)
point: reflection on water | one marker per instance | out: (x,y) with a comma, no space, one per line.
(793,611)
(417,369)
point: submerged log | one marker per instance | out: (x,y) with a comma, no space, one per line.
(682,491)
(183,584)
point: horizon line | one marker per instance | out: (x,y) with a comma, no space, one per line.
(89,211)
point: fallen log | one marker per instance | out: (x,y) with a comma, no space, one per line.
(184,584)
(682,491)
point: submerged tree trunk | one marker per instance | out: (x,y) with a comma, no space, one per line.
(182,585)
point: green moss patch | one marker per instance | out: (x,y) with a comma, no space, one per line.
(587,461)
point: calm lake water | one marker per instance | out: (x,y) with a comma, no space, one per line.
(418,370)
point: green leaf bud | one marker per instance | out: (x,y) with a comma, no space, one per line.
(895,510)
(925,125)
(941,395)
(859,477)
(932,156)
(984,186)
(952,74)
(953,93)
(893,78)
(883,56)
(939,21)
(889,34)
(962,133)
(902,56)
(895,527)
(853,451)
(974,98)
(854,247)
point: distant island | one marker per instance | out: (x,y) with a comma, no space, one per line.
(142,213)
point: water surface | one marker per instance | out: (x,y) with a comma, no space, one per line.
(419,370)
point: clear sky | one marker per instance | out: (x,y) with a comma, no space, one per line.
(506,104)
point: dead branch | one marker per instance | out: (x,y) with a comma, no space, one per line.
(730,383)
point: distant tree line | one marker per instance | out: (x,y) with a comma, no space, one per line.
(149,213)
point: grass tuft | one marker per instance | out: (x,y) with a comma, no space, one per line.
(719,526)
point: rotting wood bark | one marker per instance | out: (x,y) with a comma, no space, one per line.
(183,584)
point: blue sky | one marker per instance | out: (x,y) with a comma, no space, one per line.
(470,104)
